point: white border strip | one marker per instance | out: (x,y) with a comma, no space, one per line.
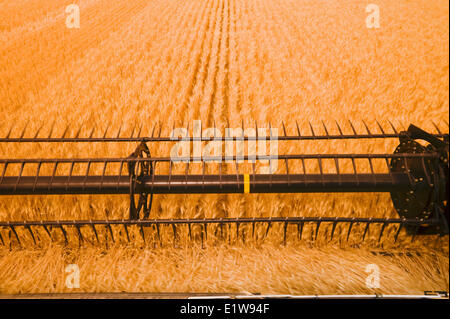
(323,297)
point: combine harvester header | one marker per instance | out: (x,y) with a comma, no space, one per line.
(416,176)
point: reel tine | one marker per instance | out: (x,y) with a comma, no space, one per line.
(174,229)
(333,229)
(393,128)
(24,129)
(300,230)
(55,167)
(253,228)
(350,228)
(4,172)
(160,129)
(107,128)
(201,235)
(80,235)
(312,130)
(65,131)
(317,228)
(1,238)
(141,231)
(132,131)
(366,228)
(31,233)
(64,234)
(120,129)
(37,176)
(319,159)
(111,232)
(367,128)
(400,226)
(47,231)
(140,130)
(20,175)
(353,128)
(91,133)
(355,171)
(285,232)
(15,234)
(52,127)
(267,230)
(38,131)
(158,233)
(298,129)
(339,128)
(380,127)
(79,131)
(325,128)
(284,128)
(436,127)
(10,130)
(382,230)
(372,171)
(95,232)
(126,232)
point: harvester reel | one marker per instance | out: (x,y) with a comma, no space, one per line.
(416,176)
(428,198)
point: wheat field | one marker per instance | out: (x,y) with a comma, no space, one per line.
(134,64)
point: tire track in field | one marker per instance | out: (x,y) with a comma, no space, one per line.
(196,76)
(226,69)
(197,42)
(225,120)
(222,99)
(200,96)
(207,89)
(209,72)
(247,39)
(174,114)
(234,97)
(202,19)
(215,65)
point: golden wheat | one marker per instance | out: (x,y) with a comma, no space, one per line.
(137,63)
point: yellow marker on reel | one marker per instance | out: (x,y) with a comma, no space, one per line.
(246,183)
